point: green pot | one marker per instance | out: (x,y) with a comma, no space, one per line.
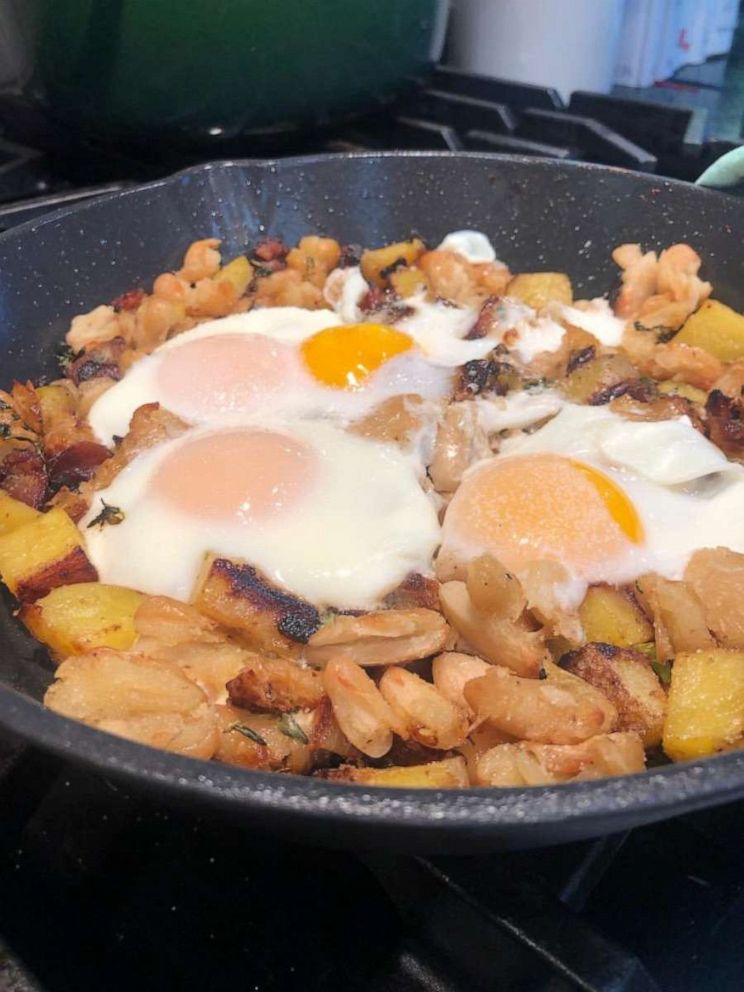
(210,68)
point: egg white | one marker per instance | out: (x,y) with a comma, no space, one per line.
(352,539)
(686,493)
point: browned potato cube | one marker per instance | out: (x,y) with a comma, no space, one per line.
(377,264)
(628,681)
(614,616)
(706,704)
(74,619)
(268,619)
(448,774)
(537,289)
(43,554)
(14,513)
(599,380)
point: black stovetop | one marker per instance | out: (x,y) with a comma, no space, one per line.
(102,891)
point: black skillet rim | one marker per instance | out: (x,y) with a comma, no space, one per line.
(653,794)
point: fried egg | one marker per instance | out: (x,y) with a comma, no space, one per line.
(608,498)
(292,363)
(334,518)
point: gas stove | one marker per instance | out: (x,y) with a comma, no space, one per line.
(106,890)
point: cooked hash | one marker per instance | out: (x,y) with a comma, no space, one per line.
(394,516)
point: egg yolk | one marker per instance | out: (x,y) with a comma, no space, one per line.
(224,373)
(244,475)
(528,507)
(343,357)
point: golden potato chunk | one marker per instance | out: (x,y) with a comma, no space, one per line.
(14,513)
(76,618)
(408,281)
(448,774)
(614,616)
(45,553)
(126,694)
(599,379)
(378,264)
(239,273)
(628,681)
(716,328)
(705,712)
(537,289)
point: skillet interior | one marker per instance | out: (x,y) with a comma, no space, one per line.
(540,215)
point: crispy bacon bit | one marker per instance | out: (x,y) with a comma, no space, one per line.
(103,360)
(76,464)
(129,300)
(486,319)
(295,619)
(415,591)
(386,305)
(270,250)
(275,684)
(726,422)
(23,475)
(74,567)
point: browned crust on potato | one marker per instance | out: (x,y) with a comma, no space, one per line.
(74,567)
(640,703)
(295,618)
(275,684)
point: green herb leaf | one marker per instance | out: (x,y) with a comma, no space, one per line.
(249,732)
(291,728)
(108,515)
(660,331)
(648,648)
(66,356)
(664,670)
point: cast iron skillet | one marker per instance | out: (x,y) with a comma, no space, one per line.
(540,215)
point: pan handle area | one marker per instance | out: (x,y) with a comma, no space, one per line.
(491,927)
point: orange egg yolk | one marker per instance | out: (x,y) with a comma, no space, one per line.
(245,475)
(528,507)
(343,357)
(224,373)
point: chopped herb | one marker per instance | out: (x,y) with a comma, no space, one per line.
(648,648)
(291,728)
(660,331)
(108,515)
(249,732)
(66,356)
(5,431)
(664,670)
